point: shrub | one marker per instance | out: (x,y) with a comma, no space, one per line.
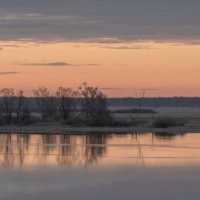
(3,120)
(121,123)
(135,110)
(66,101)
(164,122)
(94,106)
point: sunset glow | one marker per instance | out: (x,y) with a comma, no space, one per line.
(163,69)
(120,46)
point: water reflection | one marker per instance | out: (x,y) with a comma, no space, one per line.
(61,149)
(166,136)
(83,150)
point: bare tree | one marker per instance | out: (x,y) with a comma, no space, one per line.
(26,117)
(45,101)
(51,107)
(20,104)
(22,109)
(140,99)
(94,105)
(66,99)
(8,103)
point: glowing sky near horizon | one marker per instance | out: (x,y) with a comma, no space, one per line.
(120,46)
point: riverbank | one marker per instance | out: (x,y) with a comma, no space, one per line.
(62,129)
(191,116)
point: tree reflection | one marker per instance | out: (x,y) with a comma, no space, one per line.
(140,154)
(13,149)
(95,148)
(80,150)
(67,150)
(64,150)
(167,136)
(48,145)
(8,149)
(22,147)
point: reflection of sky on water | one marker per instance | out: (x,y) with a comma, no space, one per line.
(99,150)
(110,167)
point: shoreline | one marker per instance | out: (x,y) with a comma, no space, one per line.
(69,130)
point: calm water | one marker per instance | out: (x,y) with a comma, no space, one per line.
(144,166)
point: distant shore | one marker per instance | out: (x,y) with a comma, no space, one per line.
(62,129)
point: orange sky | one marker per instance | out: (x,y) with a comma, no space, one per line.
(164,69)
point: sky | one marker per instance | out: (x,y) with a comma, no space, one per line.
(124,47)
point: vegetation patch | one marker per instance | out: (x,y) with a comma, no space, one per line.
(135,110)
(164,122)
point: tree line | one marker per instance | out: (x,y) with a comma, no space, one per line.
(60,105)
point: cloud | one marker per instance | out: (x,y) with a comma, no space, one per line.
(11,45)
(115,88)
(129,89)
(87,65)
(8,73)
(127,47)
(57,64)
(110,21)
(53,64)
